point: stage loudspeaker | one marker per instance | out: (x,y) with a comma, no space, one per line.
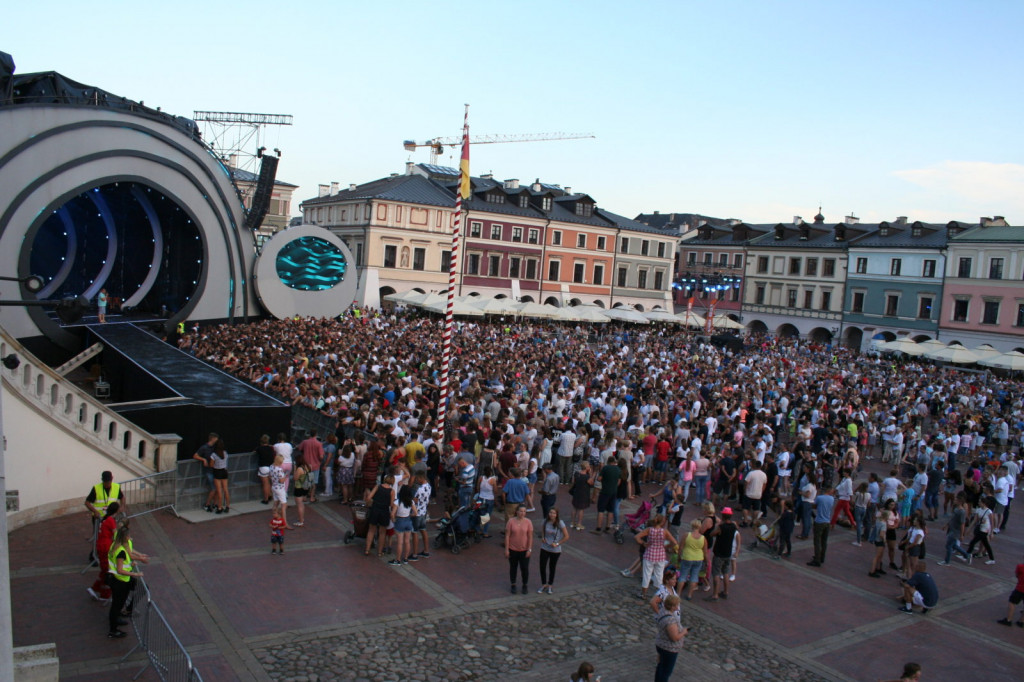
(263,193)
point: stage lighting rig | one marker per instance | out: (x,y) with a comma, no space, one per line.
(69,309)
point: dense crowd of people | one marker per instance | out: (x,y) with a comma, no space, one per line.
(544,413)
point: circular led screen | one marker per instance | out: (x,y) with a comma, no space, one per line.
(302,271)
(310,264)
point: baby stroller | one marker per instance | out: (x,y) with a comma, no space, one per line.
(636,521)
(769,537)
(458,528)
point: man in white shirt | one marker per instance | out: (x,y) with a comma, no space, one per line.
(756,481)
(1001,487)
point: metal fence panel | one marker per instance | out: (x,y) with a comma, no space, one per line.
(166,654)
(149,493)
(191,485)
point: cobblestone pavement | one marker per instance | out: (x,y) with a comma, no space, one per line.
(527,640)
(327,612)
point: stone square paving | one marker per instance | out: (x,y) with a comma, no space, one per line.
(326,612)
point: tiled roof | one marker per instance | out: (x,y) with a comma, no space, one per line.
(995,233)
(675,220)
(820,236)
(240,175)
(407,188)
(901,236)
(722,236)
(634,225)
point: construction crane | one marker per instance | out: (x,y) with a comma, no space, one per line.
(438,144)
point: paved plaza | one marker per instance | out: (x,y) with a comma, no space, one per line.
(326,612)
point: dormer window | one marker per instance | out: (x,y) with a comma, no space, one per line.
(916,230)
(495,198)
(883,230)
(524,201)
(545,204)
(584,209)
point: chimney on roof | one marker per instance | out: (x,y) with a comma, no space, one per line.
(536,186)
(853,220)
(901,220)
(323,191)
(701,223)
(657,213)
(995,221)
(672,217)
(797,220)
(733,222)
(512,183)
(409,165)
(568,190)
(487,176)
(351,187)
(984,221)
(334,188)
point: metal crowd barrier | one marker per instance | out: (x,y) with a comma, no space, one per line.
(164,651)
(150,493)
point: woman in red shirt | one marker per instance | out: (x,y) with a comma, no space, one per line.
(100,591)
(519,547)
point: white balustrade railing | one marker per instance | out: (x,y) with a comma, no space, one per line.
(67,405)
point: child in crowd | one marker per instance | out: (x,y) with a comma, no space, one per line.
(277,533)
(787,522)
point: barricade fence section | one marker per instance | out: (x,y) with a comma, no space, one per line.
(150,493)
(164,651)
(192,486)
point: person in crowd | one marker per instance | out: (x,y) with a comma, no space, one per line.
(654,538)
(519,547)
(553,535)
(402,512)
(303,482)
(919,590)
(100,590)
(123,572)
(1015,600)
(264,460)
(219,464)
(669,640)
(277,527)
(585,673)
(100,497)
(380,499)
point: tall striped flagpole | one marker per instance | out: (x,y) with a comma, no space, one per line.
(453,269)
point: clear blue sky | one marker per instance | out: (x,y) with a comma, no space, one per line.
(750,109)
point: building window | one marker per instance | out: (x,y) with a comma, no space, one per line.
(556,237)
(808,299)
(446,261)
(963,270)
(475,228)
(473,264)
(708,259)
(584,209)
(645,247)
(598,274)
(641,279)
(828,267)
(602,243)
(524,200)
(517,234)
(494,266)
(794,266)
(737,260)
(659,280)
(826,300)
(924,308)
(1020,315)
(624,245)
(759,294)
(390,255)
(723,260)
(578,272)
(762,264)
(892,305)
(622,277)
(545,204)
(495,231)
(811,270)
(419,259)
(961,308)
(735,295)
(995,268)
(858,301)
(359,253)
(513,267)
(862,266)
(554,268)
(928,270)
(691,258)
(531,269)
(495,198)
(990,313)
(533,236)
(791,298)
(661,249)
(895,266)
(581,241)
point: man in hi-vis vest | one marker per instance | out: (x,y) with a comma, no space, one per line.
(101,495)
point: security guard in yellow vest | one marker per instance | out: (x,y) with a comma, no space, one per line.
(102,494)
(122,575)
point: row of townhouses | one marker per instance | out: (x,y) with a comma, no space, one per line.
(845,282)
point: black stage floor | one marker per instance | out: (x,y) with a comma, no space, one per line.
(180,372)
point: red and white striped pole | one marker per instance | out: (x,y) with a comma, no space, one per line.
(453,269)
